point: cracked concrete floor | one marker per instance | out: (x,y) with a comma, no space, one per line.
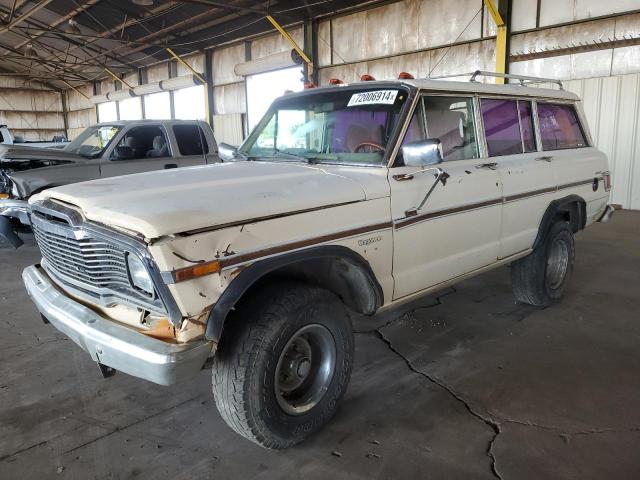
(463,385)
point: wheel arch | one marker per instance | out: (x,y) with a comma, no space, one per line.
(571,208)
(333,267)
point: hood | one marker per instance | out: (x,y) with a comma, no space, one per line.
(174,201)
(22,157)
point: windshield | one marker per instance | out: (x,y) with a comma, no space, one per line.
(334,126)
(93,141)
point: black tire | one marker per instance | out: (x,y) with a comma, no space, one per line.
(541,278)
(250,353)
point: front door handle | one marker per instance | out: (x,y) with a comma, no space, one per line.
(402,177)
(544,159)
(490,165)
(170,165)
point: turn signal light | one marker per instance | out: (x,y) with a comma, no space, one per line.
(335,81)
(200,270)
(310,85)
(366,78)
(405,76)
(4,195)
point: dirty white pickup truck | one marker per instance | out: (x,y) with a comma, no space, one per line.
(343,199)
(103,150)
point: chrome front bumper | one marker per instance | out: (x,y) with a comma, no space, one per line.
(16,209)
(113,344)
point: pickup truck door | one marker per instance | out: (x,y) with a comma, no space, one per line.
(457,229)
(140,148)
(527,176)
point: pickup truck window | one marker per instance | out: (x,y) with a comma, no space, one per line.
(451,120)
(148,141)
(93,141)
(191,140)
(560,127)
(337,126)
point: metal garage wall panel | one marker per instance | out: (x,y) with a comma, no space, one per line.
(228,128)
(349,38)
(75,101)
(324,44)
(47,102)
(131,78)
(417,64)
(107,85)
(230,99)
(523,14)
(81,119)
(463,59)
(269,44)
(612,108)
(157,73)
(195,61)
(440,21)
(552,67)
(391,29)
(626,60)
(346,73)
(224,60)
(558,11)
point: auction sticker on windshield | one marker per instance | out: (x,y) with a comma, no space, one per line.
(376,97)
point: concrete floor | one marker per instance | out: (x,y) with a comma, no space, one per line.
(466,385)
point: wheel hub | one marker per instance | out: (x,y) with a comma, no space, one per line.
(305,369)
(557,263)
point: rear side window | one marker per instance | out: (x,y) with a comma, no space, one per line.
(559,127)
(191,140)
(508,126)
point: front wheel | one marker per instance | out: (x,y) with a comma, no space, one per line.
(541,278)
(283,364)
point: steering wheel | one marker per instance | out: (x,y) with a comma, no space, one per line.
(368,147)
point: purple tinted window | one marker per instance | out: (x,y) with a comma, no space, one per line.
(353,127)
(501,126)
(559,127)
(526,126)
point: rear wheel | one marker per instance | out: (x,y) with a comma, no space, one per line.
(542,277)
(283,364)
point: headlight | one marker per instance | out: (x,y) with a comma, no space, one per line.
(139,275)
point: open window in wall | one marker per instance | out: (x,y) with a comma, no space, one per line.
(107,112)
(264,88)
(508,126)
(157,106)
(130,109)
(188,103)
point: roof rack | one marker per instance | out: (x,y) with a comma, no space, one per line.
(522,79)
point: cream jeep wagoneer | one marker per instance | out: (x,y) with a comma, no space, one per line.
(351,198)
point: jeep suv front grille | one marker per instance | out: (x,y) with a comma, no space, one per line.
(97,263)
(88,260)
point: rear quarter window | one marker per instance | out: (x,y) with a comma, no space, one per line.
(560,127)
(191,140)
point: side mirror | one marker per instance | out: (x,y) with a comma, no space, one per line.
(423,152)
(227,153)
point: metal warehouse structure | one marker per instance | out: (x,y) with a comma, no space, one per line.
(61,59)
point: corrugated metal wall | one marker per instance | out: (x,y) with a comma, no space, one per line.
(612,107)
(30,109)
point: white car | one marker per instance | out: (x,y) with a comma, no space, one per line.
(347,198)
